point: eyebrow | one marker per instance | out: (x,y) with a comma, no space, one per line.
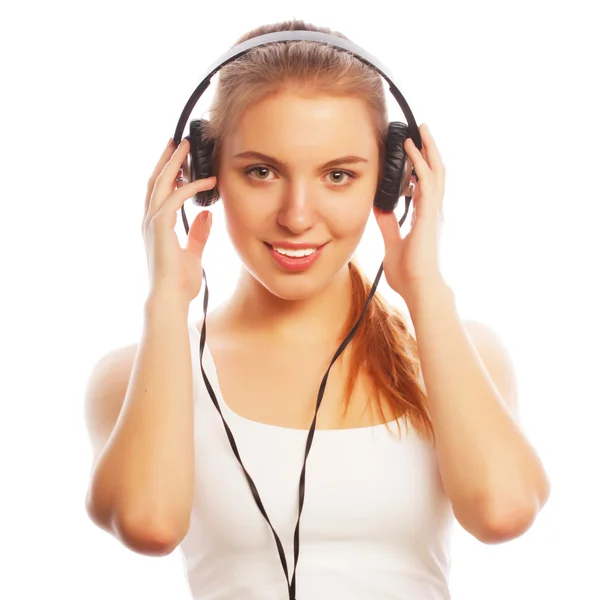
(343,160)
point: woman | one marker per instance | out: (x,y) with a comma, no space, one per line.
(411,432)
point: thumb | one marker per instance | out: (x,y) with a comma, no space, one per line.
(390,230)
(198,234)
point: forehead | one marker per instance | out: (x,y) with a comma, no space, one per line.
(295,126)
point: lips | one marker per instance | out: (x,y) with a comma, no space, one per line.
(304,247)
(294,245)
(291,263)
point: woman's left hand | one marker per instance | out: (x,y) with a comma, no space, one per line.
(412,263)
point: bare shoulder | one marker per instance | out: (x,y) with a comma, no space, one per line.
(105,393)
(497,360)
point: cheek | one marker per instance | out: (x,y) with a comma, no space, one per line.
(238,215)
(349,220)
(239,222)
(351,232)
(244,224)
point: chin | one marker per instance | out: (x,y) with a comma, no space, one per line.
(293,288)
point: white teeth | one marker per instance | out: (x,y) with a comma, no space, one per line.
(295,253)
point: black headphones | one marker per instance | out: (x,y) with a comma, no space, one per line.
(396,182)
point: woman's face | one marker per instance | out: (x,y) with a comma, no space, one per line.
(290,195)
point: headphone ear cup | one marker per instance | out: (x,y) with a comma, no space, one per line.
(200,162)
(397,169)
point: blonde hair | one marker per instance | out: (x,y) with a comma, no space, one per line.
(383,346)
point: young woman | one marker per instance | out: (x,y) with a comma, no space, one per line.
(418,423)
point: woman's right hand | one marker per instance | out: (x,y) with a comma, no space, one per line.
(173,270)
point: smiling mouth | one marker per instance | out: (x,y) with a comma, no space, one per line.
(298,259)
(294,253)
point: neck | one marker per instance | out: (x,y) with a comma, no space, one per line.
(318,318)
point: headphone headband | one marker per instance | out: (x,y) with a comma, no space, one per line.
(290,36)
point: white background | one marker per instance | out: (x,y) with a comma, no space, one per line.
(91,94)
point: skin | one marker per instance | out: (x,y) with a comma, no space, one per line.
(276,334)
(298,202)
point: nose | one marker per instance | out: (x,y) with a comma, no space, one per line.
(298,211)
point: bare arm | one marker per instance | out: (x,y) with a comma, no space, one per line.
(492,474)
(141,486)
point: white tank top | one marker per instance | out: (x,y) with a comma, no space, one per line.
(376,523)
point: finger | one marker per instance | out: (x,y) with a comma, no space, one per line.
(420,164)
(390,230)
(176,200)
(179,181)
(433,156)
(164,182)
(199,232)
(183,175)
(164,159)
(185,172)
